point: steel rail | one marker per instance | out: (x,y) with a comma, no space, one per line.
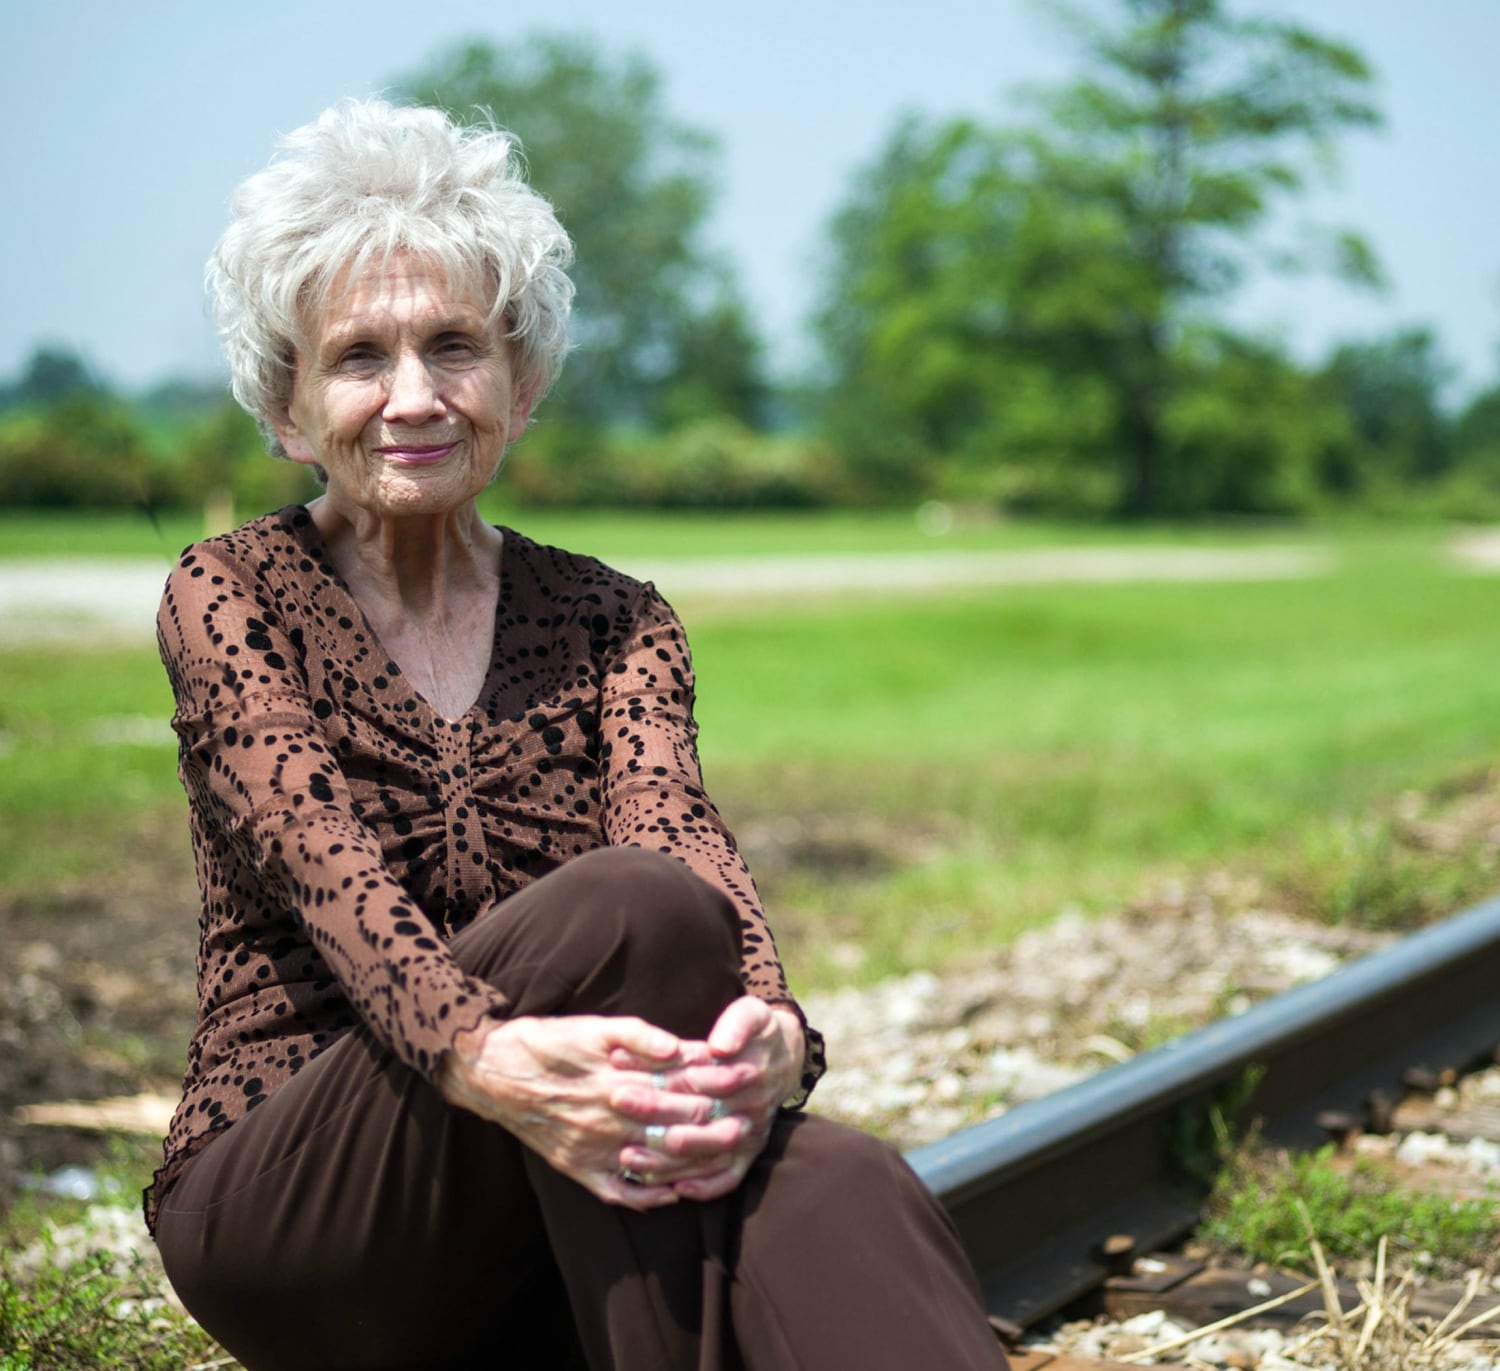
(1036,1191)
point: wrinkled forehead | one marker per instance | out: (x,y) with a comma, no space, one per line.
(397,285)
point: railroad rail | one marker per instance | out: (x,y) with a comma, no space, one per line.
(1043,1193)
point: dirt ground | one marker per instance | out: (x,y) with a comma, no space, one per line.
(96,999)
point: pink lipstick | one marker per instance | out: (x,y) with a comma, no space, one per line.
(416,454)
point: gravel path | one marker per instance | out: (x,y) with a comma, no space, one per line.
(52,600)
(922,1055)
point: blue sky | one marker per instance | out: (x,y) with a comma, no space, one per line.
(129,124)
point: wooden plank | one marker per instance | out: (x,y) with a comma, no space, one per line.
(1032,1359)
(1218,1292)
(1462,1121)
(1023,1359)
(149,1114)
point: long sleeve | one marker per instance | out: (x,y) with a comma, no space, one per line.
(258,770)
(652,786)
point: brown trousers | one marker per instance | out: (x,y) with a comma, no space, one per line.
(354,1221)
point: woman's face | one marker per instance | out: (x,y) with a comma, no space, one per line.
(402,394)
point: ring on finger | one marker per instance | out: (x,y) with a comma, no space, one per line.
(718,1110)
(659,1079)
(632,1177)
(656,1134)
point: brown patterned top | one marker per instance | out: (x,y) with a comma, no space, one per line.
(343,831)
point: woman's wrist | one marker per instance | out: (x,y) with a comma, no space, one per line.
(789,1023)
(455,1074)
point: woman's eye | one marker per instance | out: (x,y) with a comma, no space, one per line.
(359,358)
(452,349)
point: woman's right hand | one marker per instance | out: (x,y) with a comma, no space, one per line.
(550,1082)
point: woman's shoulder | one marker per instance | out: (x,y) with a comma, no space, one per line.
(559,574)
(253,563)
(282,531)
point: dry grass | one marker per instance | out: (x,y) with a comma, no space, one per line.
(1378,1333)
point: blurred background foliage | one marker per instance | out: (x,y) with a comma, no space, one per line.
(1022,317)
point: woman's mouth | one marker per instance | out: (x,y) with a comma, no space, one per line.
(416,454)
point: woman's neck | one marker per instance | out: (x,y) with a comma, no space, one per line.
(417,565)
(429,587)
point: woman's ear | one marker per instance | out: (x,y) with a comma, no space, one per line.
(520,413)
(293,441)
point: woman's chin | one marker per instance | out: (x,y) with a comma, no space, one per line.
(406,492)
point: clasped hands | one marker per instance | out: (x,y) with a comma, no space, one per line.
(598,1096)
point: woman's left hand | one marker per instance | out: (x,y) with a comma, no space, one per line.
(750,1062)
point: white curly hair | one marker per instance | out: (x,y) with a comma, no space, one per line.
(363,181)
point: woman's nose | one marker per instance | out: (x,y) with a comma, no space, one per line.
(413,397)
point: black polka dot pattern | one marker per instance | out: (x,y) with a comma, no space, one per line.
(343,831)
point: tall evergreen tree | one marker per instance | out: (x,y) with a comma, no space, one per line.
(1393,390)
(1038,290)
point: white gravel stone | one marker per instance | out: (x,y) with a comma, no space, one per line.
(1418,1149)
(1482,1155)
(918,1055)
(115,1231)
(1298,962)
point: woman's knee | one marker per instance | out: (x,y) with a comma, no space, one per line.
(619,930)
(660,905)
(661,942)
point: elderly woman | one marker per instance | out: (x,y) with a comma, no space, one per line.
(495,1062)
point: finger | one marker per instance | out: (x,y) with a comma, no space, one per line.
(713,1186)
(737,1025)
(657,1144)
(684,1094)
(657,1169)
(648,1105)
(697,1140)
(720,1080)
(652,1045)
(690,1052)
(637,1195)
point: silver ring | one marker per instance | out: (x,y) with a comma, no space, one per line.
(718,1110)
(631,1177)
(656,1134)
(659,1079)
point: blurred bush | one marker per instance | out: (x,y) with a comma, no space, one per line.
(715,462)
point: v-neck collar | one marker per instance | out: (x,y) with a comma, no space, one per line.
(300,519)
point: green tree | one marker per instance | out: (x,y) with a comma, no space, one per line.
(1392,389)
(1251,432)
(658,321)
(1476,434)
(52,373)
(1026,299)
(221,466)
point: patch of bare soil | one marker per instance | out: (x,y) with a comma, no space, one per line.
(97,998)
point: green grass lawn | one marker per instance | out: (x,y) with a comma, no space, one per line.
(604,534)
(923,775)
(633,535)
(1022,749)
